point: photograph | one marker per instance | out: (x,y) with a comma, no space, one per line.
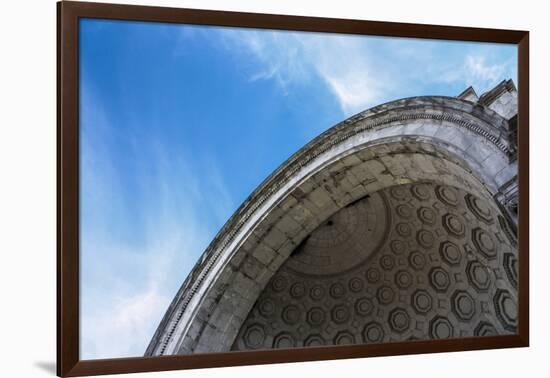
(254,189)
(205,188)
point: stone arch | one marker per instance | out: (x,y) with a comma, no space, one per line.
(439,140)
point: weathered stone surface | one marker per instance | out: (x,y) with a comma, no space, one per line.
(398,287)
(431,152)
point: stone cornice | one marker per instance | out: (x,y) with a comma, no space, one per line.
(489,97)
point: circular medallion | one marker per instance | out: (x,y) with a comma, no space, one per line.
(337,290)
(447,195)
(373,333)
(421,191)
(403,279)
(417,260)
(317,292)
(404,211)
(340,314)
(291,314)
(297,290)
(453,225)
(425,238)
(398,247)
(403,229)
(316,316)
(364,306)
(427,215)
(373,275)
(355,284)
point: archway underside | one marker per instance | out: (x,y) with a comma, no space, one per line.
(413,261)
(217,318)
(346,176)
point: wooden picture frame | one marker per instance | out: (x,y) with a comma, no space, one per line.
(69,13)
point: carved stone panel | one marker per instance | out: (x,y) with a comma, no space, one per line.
(415,261)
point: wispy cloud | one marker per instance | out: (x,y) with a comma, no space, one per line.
(348,67)
(138,243)
(280,55)
(342,63)
(123,304)
(362,72)
(477,70)
(480,70)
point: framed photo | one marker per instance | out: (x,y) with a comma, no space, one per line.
(238,188)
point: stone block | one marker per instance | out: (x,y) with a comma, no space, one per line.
(375,167)
(351,160)
(321,198)
(393,165)
(244,286)
(300,214)
(310,206)
(288,226)
(250,243)
(306,187)
(353,181)
(286,248)
(208,341)
(480,151)
(252,267)
(187,345)
(358,192)
(238,258)
(424,163)
(287,203)
(366,154)
(264,254)
(274,238)
(362,173)
(277,261)
(337,167)
(506,174)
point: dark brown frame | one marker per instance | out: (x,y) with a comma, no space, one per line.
(68,14)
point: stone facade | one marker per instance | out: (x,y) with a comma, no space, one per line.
(454,158)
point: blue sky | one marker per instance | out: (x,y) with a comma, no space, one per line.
(180,123)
